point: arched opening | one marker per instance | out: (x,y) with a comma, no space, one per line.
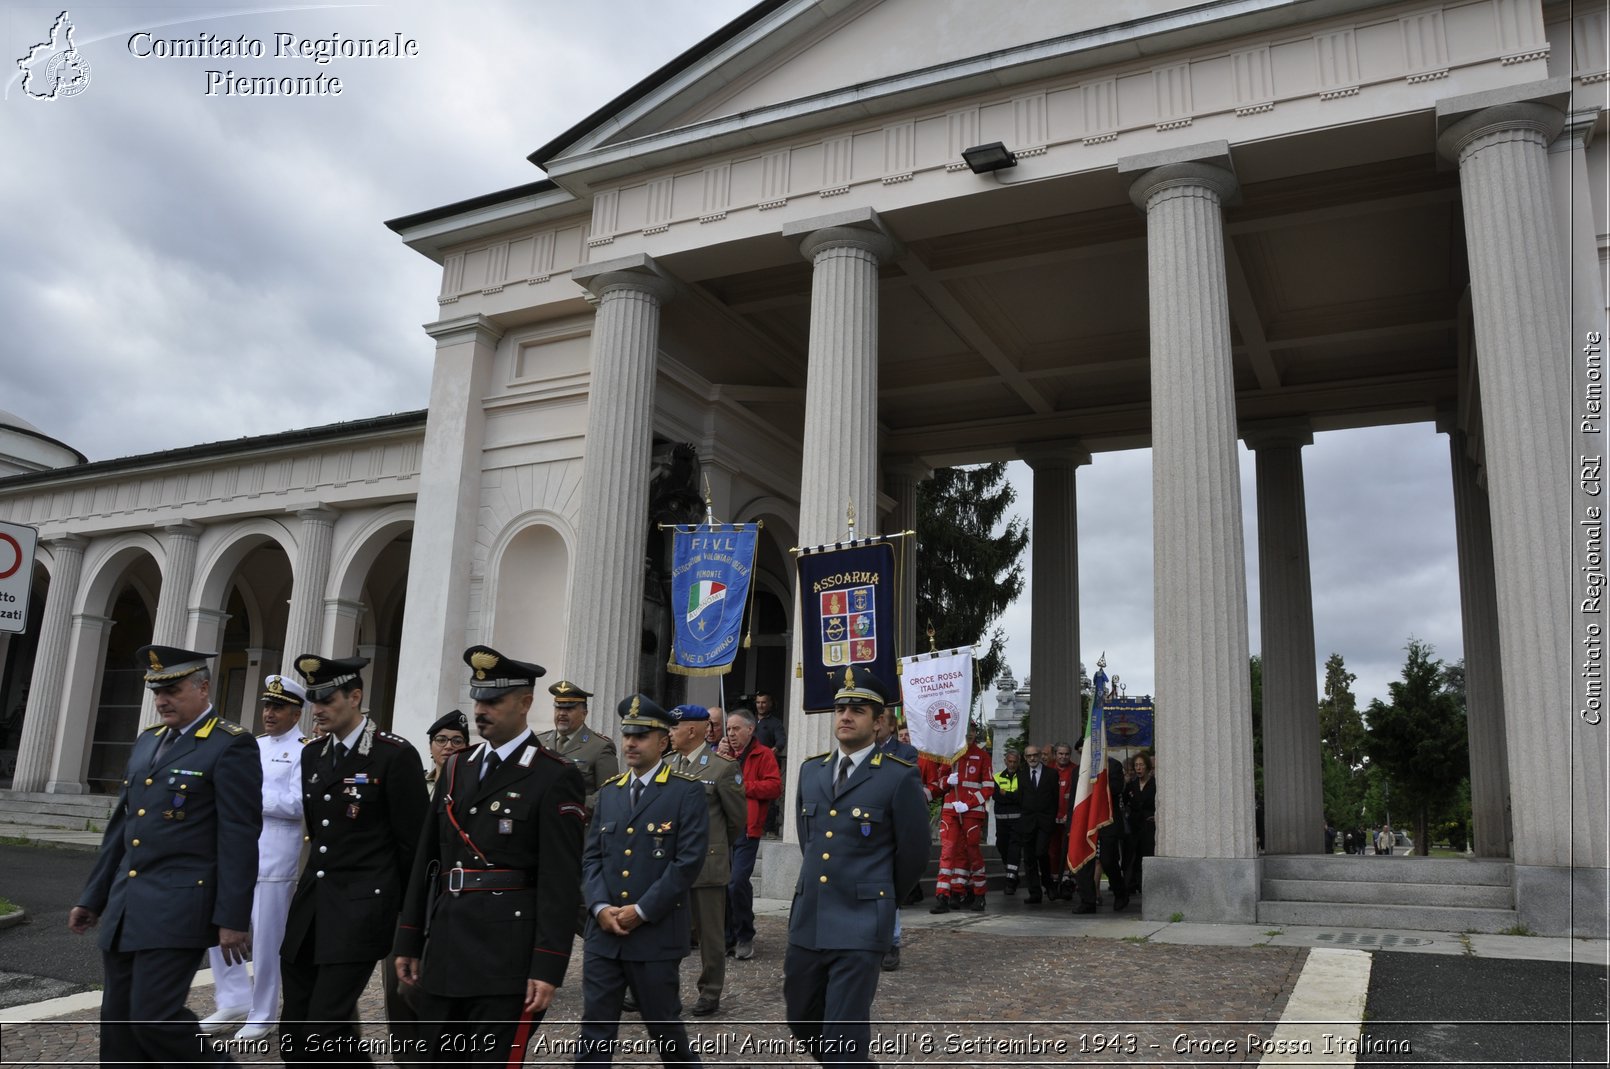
(528,619)
(122,685)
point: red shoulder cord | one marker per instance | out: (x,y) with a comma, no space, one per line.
(452,776)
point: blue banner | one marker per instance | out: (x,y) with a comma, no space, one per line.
(711,568)
(1129,722)
(847,617)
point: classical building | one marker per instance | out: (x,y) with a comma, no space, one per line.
(840,243)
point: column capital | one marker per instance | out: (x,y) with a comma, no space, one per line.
(181,529)
(857,228)
(320,513)
(636,273)
(1046,456)
(1259,434)
(475,327)
(1205,166)
(345,607)
(913,468)
(199,612)
(69,542)
(1535,106)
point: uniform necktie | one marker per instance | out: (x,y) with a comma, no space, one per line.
(637,792)
(563,741)
(844,774)
(340,751)
(165,746)
(492,763)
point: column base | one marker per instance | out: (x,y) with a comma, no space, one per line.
(1553,900)
(1205,890)
(66,786)
(779,862)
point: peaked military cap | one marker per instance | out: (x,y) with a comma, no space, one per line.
(453,721)
(165,665)
(690,712)
(857,686)
(567,693)
(283,690)
(325,674)
(641,714)
(492,675)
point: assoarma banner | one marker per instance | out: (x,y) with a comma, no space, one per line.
(1129,722)
(847,617)
(938,689)
(711,566)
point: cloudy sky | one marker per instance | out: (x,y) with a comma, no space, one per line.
(183,267)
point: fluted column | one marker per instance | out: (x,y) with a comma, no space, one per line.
(606,607)
(900,482)
(1206,866)
(1484,674)
(1293,785)
(304,624)
(1524,359)
(260,664)
(376,677)
(1054,591)
(80,704)
(43,713)
(173,600)
(840,467)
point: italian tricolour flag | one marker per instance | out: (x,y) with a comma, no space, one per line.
(703,594)
(1092,802)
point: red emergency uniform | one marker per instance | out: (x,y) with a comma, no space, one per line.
(961,834)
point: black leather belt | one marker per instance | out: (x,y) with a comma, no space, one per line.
(456,880)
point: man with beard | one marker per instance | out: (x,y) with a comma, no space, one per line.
(592,754)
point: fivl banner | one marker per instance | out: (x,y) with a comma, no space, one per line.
(711,566)
(847,595)
(938,692)
(1129,722)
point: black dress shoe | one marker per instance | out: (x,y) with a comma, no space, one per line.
(629,1002)
(706,1006)
(1120,904)
(978,904)
(941,905)
(891,959)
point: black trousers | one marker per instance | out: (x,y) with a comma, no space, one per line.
(1109,841)
(485,1030)
(1142,844)
(604,982)
(1007,842)
(828,995)
(1035,845)
(319,1018)
(143,1016)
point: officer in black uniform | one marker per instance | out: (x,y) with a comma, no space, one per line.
(644,850)
(489,918)
(863,828)
(364,802)
(177,866)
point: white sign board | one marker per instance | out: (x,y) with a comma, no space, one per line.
(16,575)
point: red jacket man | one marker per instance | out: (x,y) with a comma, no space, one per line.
(964,789)
(762,782)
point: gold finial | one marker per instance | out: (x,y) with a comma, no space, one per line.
(1101,662)
(931,647)
(849,514)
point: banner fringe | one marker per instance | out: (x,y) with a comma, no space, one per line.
(684,670)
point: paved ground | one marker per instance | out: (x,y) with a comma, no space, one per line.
(40,958)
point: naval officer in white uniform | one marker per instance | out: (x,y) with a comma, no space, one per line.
(256,998)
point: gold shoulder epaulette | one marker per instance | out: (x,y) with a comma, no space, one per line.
(620,780)
(687,776)
(824,755)
(231,727)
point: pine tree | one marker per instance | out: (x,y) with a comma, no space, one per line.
(968,562)
(1345,776)
(1418,741)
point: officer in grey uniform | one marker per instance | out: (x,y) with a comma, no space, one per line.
(177,866)
(592,754)
(644,850)
(863,829)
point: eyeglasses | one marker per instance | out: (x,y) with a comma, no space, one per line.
(452,742)
(1032,753)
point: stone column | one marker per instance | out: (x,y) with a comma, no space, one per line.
(840,467)
(606,603)
(1293,785)
(173,600)
(1054,592)
(900,480)
(342,622)
(81,701)
(1206,865)
(39,722)
(1484,675)
(431,665)
(304,624)
(1524,360)
(376,681)
(260,664)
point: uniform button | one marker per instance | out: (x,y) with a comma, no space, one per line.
(201,883)
(880,894)
(626,872)
(623,894)
(307,838)
(826,856)
(141,813)
(132,873)
(832,812)
(830,835)
(516,913)
(377,890)
(136,842)
(327,798)
(324,823)
(472,811)
(319,874)
(823,879)
(323,849)
(629,831)
(627,851)
(148,781)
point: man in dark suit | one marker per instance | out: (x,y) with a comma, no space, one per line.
(644,850)
(863,828)
(364,802)
(1039,793)
(489,916)
(177,866)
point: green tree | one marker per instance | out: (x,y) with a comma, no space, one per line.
(1418,741)
(968,560)
(1255,666)
(1343,773)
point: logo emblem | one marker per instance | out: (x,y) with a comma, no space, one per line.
(54,69)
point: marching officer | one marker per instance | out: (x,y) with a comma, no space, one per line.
(363,800)
(592,754)
(863,829)
(964,789)
(644,850)
(489,918)
(692,755)
(177,865)
(256,997)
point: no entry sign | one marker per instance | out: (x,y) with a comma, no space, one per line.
(16,574)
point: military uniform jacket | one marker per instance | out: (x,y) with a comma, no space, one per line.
(864,852)
(525,823)
(279,850)
(728,812)
(179,859)
(592,754)
(363,818)
(647,856)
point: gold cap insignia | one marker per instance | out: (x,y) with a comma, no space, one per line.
(274,686)
(849,677)
(633,711)
(308,665)
(481,660)
(156,663)
(563,687)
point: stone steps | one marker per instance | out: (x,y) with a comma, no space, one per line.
(78,812)
(1383,868)
(1480,896)
(1413,918)
(1384,891)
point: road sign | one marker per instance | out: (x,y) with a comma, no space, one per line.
(16,575)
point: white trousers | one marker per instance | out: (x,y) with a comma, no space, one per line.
(233,988)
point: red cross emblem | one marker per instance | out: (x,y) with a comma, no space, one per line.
(942,717)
